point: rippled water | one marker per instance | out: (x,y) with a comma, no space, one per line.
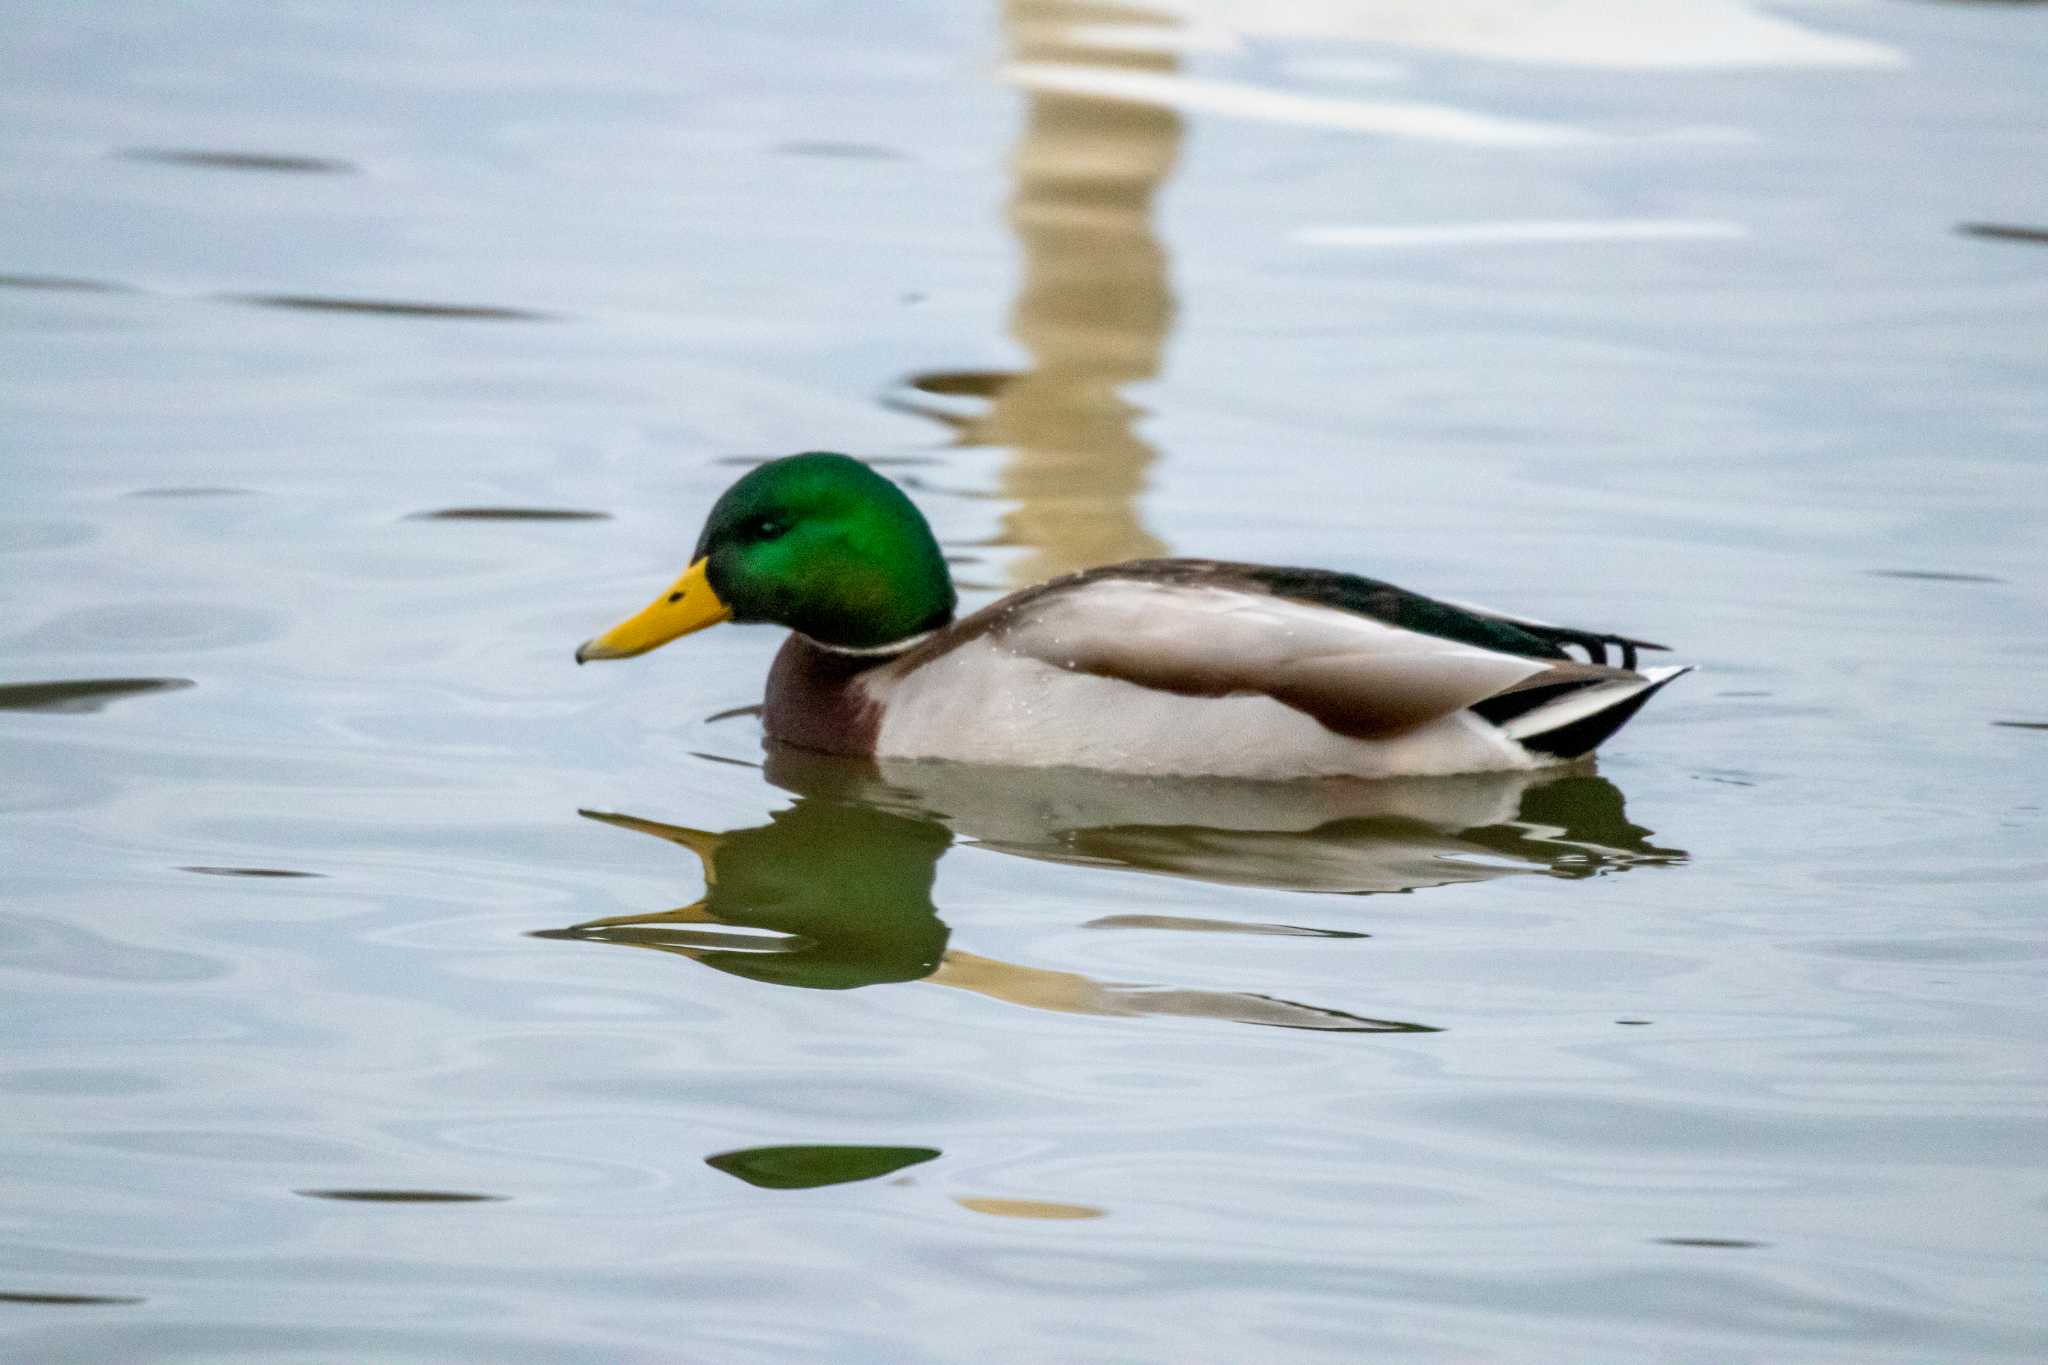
(360,364)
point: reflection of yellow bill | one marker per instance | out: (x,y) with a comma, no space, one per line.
(688,605)
(701,842)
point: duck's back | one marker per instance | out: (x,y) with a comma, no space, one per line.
(1195,666)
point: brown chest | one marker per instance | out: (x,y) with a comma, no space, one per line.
(815,699)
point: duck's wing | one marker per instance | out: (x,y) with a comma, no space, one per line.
(1198,628)
(1397,606)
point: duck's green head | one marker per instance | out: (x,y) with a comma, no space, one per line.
(816,542)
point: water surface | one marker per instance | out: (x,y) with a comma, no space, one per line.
(358,366)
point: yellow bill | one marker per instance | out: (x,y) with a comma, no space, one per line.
(688,605)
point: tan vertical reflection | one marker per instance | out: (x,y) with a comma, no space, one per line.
(1094,306)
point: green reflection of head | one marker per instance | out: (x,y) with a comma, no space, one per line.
(854,884)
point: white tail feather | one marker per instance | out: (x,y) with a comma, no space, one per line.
(1587,701)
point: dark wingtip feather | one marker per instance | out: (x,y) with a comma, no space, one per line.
(1580,737)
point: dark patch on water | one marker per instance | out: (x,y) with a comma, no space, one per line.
(734,713)
(192,491)
(71,1300)
(963,383)
(509,514)
(250,872)
(2021,724)
(1719,1243)
(2003,232)
(404,1196)
(64,284)
(1633,1023)
(1933,575)
(809,1167)
(76,696)
(852,151)
(1192,924)
(283,163)
(395,308)
(721,758)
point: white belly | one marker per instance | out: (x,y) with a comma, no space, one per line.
(982,704)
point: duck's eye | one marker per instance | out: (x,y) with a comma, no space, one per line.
(765,528)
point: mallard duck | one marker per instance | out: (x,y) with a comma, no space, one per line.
(1157,666)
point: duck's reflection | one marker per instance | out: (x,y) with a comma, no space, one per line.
(835,892)
(1332,835)
(844,893)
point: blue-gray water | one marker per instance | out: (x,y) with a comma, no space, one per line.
(1659,318)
